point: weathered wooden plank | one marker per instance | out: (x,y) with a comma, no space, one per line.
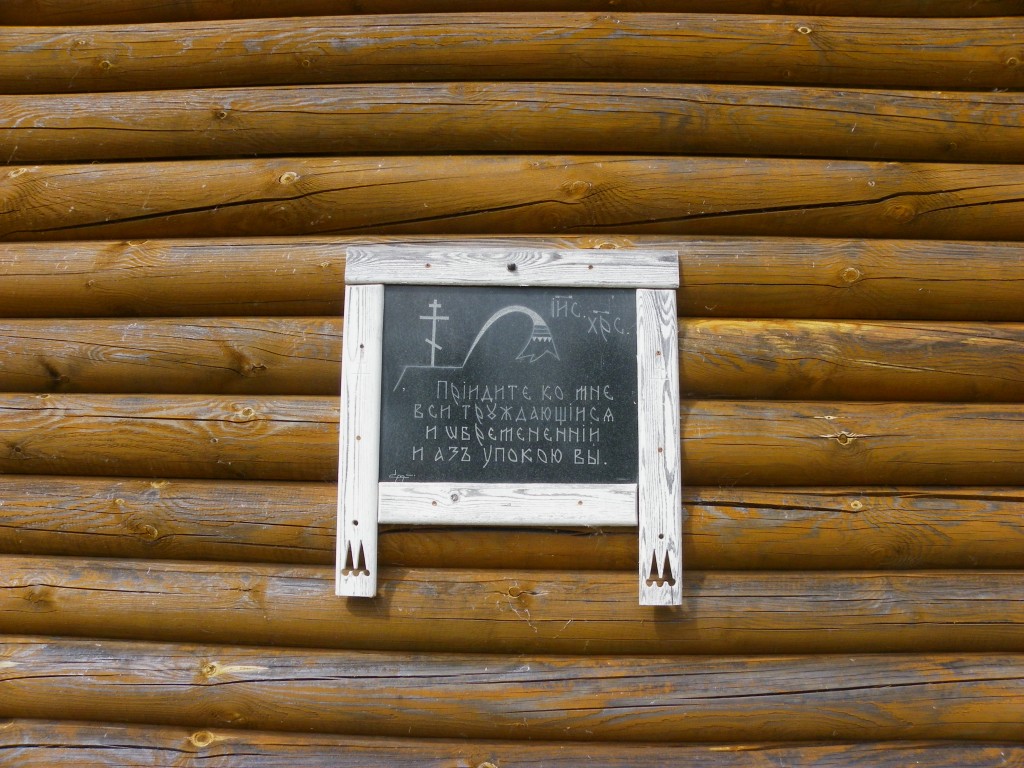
(659,505)
(726,442)
(359,446)
(860,697)
(507,505)
(590,268)
(859,528)
(462,195)
(723,277)
(572,612)
(47,743)
(295,356)
(64,12)
(968,53)
(515,117)
(803,360)
(283,438)
(809,359)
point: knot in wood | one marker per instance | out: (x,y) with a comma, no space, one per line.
(850,275)
(804,29)
(245,413)
(1013,61)
(40,597)
(288,177)
(16,173)
(856,505)
(901,212)
(844,438)
(578,189)
(201,739)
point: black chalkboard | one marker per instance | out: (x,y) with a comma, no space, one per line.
(509,385)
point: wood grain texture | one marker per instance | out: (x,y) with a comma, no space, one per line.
(732,359)
(854,528)
(507,505)
(57,12)
(809,359)
(594,268)
(646,118)
(528,194)
(780,443)
(659,506)
(858,697)
(721,276)
(513,612)
(284,276)
(284,438)
(295,356)
(724,442)
(47,743)
(968,53)
(359,443)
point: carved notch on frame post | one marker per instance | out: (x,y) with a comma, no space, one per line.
(362,349)
(659,491)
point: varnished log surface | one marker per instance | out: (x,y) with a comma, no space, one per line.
(814,360)
(850,443)
(723,277)
(729,359)
(473,194)
(294,356)
(283,276)
(516,117)
(723,442)
(47,743)
(513,612)
(284,438)
(724,528)
(966,53)
(57,12)
(846,697)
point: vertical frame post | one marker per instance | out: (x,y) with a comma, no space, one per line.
(659,492)
(356,564)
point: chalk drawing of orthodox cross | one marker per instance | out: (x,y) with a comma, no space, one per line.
(433,318)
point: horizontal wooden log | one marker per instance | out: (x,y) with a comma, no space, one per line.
(774,443)
(284,438)
(533,611)
(723,277)
(294,356)
(724,528)
(970,53)
(814,360)
(729,359)
(48,743)
(854,443)
(515,117)
(66,12)
(864,697)
(531,194)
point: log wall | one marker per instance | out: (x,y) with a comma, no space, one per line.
(183,184)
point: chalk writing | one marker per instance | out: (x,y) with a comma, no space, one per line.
(512,385)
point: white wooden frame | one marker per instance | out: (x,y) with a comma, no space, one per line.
(654,503)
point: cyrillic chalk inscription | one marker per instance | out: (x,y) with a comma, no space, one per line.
(521,385)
